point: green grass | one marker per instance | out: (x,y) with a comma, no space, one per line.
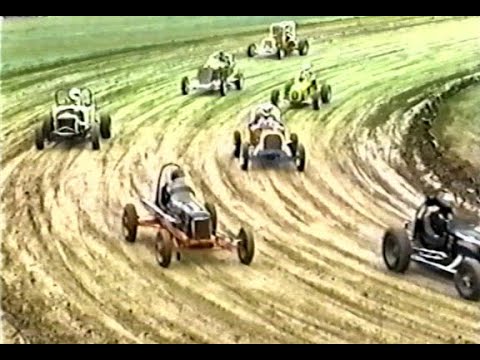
(458,126)
(30,42)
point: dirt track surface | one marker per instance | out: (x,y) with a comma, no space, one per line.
(317,276)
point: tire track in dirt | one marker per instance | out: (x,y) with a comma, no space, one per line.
(316,277)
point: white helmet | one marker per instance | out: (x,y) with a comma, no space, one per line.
(446,199)
(307,67)
(75,94)
(266,109)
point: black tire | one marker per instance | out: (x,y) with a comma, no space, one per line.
(275,97)
(95,137)
(130,223)
(300,158)
(294,143)
(213,216)
(163,248)
(240,82)
(47,127)
(223,88)
(315,85)
(245,157)
(185,86)
(396,250)
(467,279)
(303,47)
(316,101)
(245,247)
(39,139)
(105,126)
(237,143)
(252,49)
(326,94)
(287,88)
(280,53)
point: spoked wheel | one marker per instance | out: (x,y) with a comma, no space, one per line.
(467,279)
(245,247)
(164,248)
(396,250)
(130,223)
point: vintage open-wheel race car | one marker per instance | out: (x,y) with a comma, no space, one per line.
(183,225)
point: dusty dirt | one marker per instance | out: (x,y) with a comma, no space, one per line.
(317,276)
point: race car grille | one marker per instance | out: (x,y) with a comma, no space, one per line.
(201,229)
(69,123)
(272,142)
(205,76)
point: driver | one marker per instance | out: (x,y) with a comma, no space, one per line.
(306,73)
(439,211)
(264,113)
(75,95)
(219,57)
(177,193)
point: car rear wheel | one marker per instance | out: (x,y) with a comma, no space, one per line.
(240,82)
(252,50)
(223,88)
(467,279)
(294,143)
(303,47)
(213,216)
(316,101)
(396,250)
(237,143)
(185,86)
(39,139)
(245,157)
(47,124)
(275,97)
(301,158)
(130,223)
(245,247)
(163,248)
(105,126)
(326,94)
(95,137)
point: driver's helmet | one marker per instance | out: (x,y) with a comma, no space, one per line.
(75,95)
(266,111)
(446,200)
(176,174)
(222,56)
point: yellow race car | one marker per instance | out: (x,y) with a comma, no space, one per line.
(303,89)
